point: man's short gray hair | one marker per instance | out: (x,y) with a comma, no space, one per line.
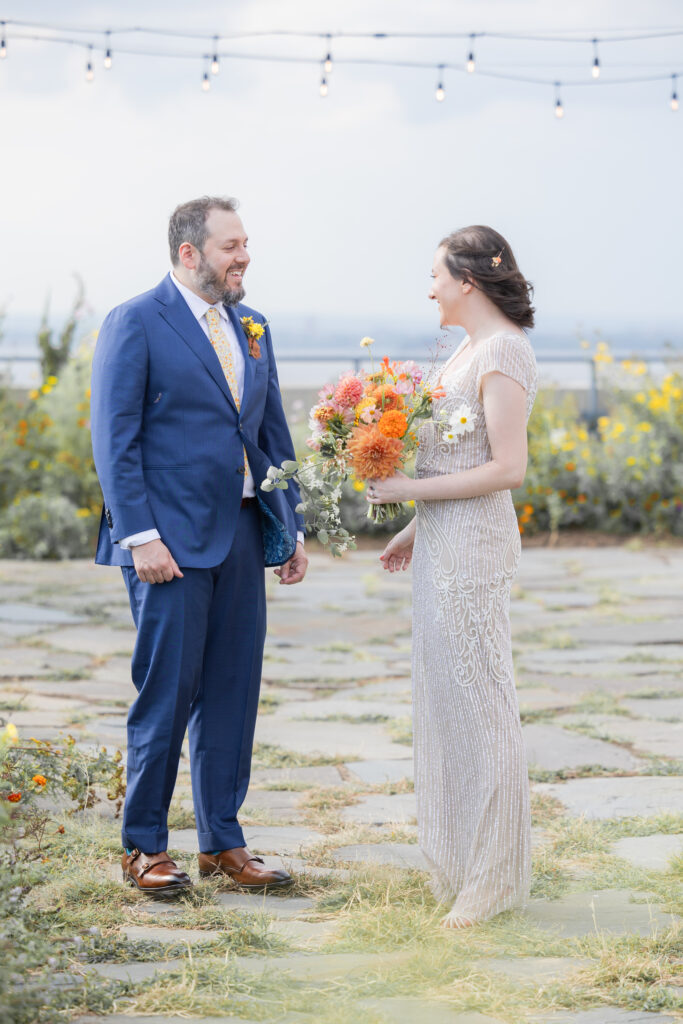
(188,222)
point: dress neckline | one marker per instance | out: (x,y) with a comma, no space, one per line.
(461,347)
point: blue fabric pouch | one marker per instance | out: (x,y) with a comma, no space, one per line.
(278,544)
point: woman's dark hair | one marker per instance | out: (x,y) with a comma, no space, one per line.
(480,255)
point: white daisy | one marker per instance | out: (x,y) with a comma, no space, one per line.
(462,421)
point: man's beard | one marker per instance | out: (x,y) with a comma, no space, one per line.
(211,283)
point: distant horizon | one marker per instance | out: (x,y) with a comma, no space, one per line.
(345,330)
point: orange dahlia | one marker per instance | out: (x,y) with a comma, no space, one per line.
(385,397)
(373,454)
(14,798)
(393,424)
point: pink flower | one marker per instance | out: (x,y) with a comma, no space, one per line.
(313,444)
(370,415)
(404,386)
(413,370)
(347,415)
(349,391)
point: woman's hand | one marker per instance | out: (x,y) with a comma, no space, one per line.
(399,551)
(398,487)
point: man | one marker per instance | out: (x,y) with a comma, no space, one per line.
(187,418)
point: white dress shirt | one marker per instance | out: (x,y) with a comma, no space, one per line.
(198,307)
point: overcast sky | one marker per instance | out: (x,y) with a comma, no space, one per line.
(346,198)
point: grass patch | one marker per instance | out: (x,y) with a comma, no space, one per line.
(267,703)
(545,808)
(267,755)
(352,719)
(401,730)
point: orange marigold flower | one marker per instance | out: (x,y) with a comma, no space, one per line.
(570,466)
(581,498)
(39,780)
(393,424)
(528,510)
(374,456)
(14,798)
(82,421)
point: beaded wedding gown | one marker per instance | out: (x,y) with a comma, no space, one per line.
(471,778)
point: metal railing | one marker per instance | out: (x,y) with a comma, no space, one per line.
(362,362)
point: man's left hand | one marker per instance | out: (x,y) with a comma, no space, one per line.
(294,570)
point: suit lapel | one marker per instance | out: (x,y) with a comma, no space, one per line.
(244,345)
(178,315)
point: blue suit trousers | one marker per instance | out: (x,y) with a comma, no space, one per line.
(196,666)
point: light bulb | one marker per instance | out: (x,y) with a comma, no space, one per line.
(323,87)
(215,66)
(206,82)
(328,64)
(596,68)
(3,41)
(107,60)
(559,109)
(674,101)
(470,55)
(440,93)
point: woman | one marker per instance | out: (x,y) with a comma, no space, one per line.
(471,777)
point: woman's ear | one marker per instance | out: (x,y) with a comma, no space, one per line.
(467,287)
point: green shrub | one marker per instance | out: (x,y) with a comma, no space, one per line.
(43,526)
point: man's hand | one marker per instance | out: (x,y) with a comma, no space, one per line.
(154,563)
(294,570)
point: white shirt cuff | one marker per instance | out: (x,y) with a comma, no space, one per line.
(136,539)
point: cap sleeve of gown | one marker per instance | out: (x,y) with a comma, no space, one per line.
(509,354)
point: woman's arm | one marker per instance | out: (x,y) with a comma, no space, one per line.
(504,402)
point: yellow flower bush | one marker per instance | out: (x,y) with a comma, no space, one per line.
(624,476)
(49,494)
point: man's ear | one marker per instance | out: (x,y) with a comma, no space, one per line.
(187,256)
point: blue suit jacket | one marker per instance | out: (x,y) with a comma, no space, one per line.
(167,436)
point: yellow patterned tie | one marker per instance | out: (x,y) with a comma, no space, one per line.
(221,347)
(223,351)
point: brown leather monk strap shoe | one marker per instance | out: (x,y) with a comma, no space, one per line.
(153,873)
(246,870)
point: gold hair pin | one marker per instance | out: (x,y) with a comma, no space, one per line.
(497,260)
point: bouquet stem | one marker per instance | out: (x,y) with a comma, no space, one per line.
(383,513)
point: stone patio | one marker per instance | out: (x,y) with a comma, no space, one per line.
(601,691)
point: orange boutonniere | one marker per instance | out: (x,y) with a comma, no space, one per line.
(254,333)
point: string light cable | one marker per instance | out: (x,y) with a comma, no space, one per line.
(20,30)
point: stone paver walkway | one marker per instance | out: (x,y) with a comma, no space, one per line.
(598,643)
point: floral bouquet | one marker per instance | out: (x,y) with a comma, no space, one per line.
(361,426)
